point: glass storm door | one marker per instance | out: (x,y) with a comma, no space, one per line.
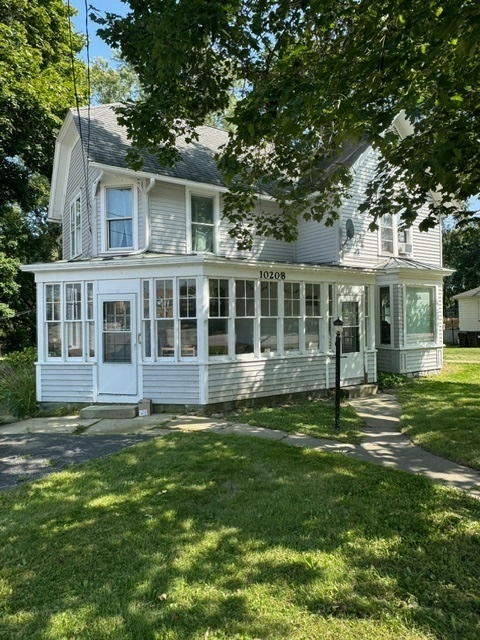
(117,372)
(352,339)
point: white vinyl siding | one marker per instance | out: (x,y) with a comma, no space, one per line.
(168,219)
(172,384)
(259,378)
(66,383)
(469,314)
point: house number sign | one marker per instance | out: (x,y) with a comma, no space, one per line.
(272,275)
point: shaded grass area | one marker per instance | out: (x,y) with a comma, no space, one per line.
(199,536)
(314,418)
(442,413)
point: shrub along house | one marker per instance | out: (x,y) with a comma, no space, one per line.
(152,298)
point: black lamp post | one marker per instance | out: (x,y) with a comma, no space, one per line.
(338,324)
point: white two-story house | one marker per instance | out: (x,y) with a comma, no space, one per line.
(152,298)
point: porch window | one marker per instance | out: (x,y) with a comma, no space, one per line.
(76,227)
(244,316)
(119,217)
(90,322)
(291,322)
(164,315)
(53,320)
(73,319)
(269,317)
(146,321)
(202,211)
(218,316)
(420,314)
(187,307)
(385,316)
(312,316)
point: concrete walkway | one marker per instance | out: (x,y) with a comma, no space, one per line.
(383,443)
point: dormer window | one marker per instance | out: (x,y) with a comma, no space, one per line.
(119,217)
(394,241)
(203,223)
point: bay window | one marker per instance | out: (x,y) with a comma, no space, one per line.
(420,314)
(385,315)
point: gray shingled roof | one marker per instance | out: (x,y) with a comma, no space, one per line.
(108,144)
(471,293)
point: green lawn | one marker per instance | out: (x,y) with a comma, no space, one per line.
(458,354)
(314,418)
(442,413)
(198,537)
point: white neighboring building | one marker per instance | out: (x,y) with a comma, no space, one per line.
(469,317)
(153,300)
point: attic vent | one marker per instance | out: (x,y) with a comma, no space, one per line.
(404,248)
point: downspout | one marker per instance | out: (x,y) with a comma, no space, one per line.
(147,219)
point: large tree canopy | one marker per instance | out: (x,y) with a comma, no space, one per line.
(315,77)
(37,47)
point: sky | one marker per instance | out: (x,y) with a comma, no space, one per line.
(97,46)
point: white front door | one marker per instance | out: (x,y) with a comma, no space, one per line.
(117,368)
(352,338)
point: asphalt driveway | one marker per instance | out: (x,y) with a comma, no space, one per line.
(24,458)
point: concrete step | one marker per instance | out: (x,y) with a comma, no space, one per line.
(360,390)
(115,411)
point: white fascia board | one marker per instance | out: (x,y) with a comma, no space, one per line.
(66,139)
(192,184)
(214,265)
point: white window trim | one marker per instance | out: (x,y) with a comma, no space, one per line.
(75,233)
(203,193)
(400,249)
(104,224)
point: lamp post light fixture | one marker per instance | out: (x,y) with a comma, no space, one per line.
(338,324)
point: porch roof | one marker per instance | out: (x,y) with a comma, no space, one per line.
(396,264)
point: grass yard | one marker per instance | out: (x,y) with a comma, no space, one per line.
(195,537)
(441,413)
(313,417)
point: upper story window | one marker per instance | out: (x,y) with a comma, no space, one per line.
(394,241)
(203,223)
(119,217)
(76,227)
